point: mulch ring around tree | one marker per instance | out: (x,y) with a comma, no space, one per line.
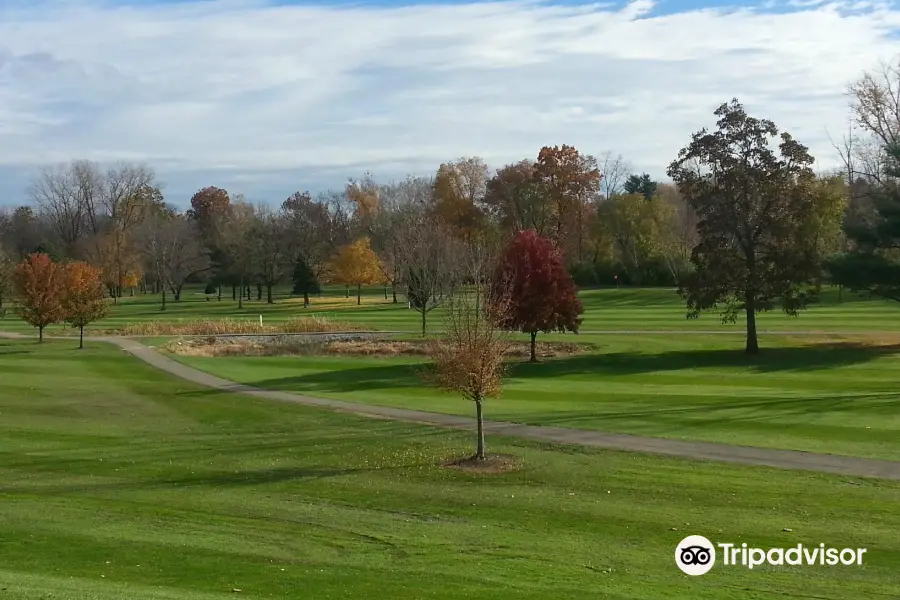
(492,464)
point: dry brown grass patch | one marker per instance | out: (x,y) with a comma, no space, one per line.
(211,346)
(309,324)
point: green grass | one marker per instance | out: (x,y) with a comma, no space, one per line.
(839,399)
(605,309)
(120,483)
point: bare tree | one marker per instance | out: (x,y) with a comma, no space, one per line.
(430,262)
(173,252)
(271,248)
(614,171)
(56,192)
(876,102)
(238,243)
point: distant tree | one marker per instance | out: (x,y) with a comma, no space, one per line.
(637,228)
(311,231)
(7,276)
(640,184)
(572,182)
(173,252)
(468,359)
(755,207)
(132,279)
(363,194)
(357,264)
(39,284)
(209,206)
(83,296)
(459,189)
(271,248)
(517,200)
(873,263)
(305,281)
(542,294)
(430,262)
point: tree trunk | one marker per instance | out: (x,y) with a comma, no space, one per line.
(219,291)
(131,291)
(347,291)
(479,413)
(247,291)
(163,299)
(305,298)
(80,337)
(533,347)
(176,294)
(40,333)
(385,291)
(423,322)
(394,291)
(241,301)
(840,294)
(234,292)
(752,339)
(269,295)
(259,291)
(358,294)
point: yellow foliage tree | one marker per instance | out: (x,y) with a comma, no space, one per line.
(132,279)
(357,264)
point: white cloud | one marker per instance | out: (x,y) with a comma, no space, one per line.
(280,97)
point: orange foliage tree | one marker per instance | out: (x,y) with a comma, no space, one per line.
(468,360)
(571,181)
(357,264)
(39,284)
(83,297)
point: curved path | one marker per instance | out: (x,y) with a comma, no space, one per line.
(785,459)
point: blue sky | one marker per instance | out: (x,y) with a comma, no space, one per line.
(266,98)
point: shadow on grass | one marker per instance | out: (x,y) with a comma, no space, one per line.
(350,380)
(799,358)
(210,479)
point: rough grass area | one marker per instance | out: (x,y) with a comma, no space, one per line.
(285,346)
(310,324)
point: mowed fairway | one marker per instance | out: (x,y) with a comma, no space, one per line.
(605,309)
(119,483)
(833,397)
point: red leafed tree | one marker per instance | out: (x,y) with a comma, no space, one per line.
(39,284)
(542,293)
(84,296)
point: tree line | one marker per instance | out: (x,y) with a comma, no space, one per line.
(746,224)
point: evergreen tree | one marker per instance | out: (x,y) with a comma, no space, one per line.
(305,281)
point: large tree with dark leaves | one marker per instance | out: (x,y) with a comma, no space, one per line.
(873,264)
(759,205)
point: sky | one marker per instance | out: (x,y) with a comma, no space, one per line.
(267,98)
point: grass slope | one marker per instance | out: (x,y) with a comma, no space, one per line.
(120,483)
(838,399)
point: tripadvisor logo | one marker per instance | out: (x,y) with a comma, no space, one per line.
(696,555)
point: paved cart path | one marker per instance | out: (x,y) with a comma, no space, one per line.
(785,459)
